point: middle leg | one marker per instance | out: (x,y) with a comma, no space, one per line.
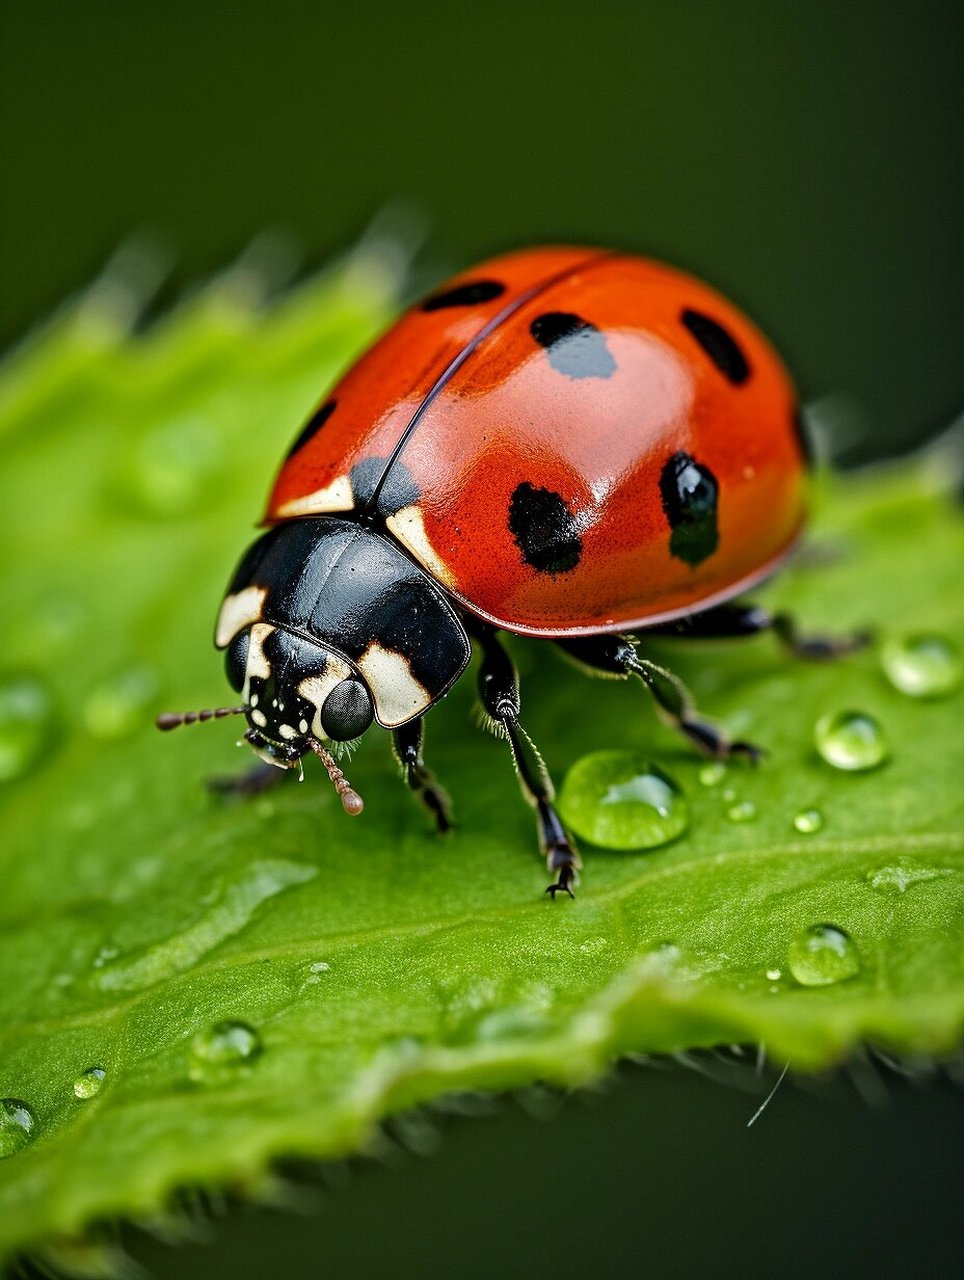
(499,691)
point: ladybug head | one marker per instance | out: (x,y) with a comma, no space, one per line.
(297,696)
(296,693)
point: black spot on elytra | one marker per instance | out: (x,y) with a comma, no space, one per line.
(469,294)
(720,345)
(312,426)
(574,346)
(544,529)
(690,493)
(399,489)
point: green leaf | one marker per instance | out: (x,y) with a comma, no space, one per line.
(371,964)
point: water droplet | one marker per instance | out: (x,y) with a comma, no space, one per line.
(822,955)
(511,1023)
(774,975)
(898,877)
(851,740)
(170,470)
(923,665)
(89,1082)
(712,774)
(807,821)
(742,811)
(621,800)
(16,1126)
(218,1050)
(121,703)
(26,717)
(315,973)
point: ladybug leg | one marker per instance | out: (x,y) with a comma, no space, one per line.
(499,691)
(613,655)
(407,744)
(255,781)
(729,621)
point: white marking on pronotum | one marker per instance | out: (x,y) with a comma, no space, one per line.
(408,526)
(398,695)
(766,1101)
(286,732)
(238,612)
(315,689)
(260,719)
(336,496)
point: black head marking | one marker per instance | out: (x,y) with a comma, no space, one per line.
(544,529)
(398,490)
(236,659)
(312,426)
(690,494)
(575,347)
(720,345)
(469,294)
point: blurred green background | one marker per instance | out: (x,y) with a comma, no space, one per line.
(806,158)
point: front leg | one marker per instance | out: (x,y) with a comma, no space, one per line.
(499,691)
(407,743)
(614,655)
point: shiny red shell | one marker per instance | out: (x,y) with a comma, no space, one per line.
(520,433)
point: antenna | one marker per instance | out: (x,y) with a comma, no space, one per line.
(351,801)
(173,719)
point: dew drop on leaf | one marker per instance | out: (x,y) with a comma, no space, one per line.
(121,703)
(851,740)
(219,1049)
(26,718)
(712,774)
(898,877)
(923,665)
(807,821)
(621,800)
(742,811)
(89,1082)
(822,955)
(16,1126)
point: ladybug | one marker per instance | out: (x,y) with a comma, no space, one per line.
(568,443)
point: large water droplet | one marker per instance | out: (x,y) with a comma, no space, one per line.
(26,717)
(218,1050)
(807,821)
(16,1126)
(851,740)
(822,955)
(621,800)
(923,665)
(89,1082)
(121,703)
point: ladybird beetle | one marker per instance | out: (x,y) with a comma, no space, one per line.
(569,443)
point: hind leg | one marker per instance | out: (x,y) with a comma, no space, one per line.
(614,655)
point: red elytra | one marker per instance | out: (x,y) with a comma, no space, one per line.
(515,430)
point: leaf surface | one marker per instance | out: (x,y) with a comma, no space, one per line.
(378,965)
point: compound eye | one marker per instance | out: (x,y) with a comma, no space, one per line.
(347,711)
(236,660)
